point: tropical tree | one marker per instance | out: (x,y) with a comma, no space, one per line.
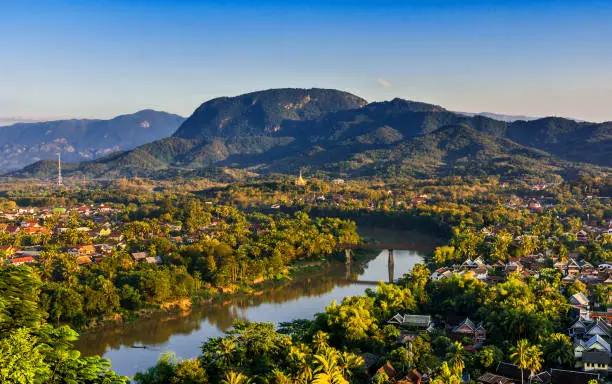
(232,377)
(534,359)
(446,376)
(456,358)
(520,355)
(558,351)
(327,368)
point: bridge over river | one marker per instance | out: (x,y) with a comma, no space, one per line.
(382,246)
(390,247)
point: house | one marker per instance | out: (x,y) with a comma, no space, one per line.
(597,343)
(491,378)
(599,328)
(582,236)
(467,328)
(572,268)
(12,229)
(481,273)
(139,256)
(440,273)
(514,373)
(580,302)
(562,376)
(578,329)
(595,361)
(413,377)
(22,260)
(36,230)
(116,236)
(83,210)
(83,260)
(105,209)
(84,250)
(535,206)
(414,322)
(153,260)
(387,369)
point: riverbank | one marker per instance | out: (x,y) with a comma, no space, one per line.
(299,298)
(297,272)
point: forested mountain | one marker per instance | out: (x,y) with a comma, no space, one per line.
(81,139)
(338,133)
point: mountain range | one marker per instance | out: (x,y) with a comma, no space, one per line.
(337,133)
(81,139)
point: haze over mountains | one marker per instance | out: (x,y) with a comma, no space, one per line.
(335,132)
(81,139)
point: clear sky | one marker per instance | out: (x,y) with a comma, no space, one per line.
(95,58)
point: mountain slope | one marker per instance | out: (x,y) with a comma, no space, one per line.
(335,132)
(262,113)
(78,140)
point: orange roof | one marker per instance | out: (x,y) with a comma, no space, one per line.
(83,260)
(24,259)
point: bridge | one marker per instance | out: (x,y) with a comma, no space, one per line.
(381,246)
(390,268)
(390,247)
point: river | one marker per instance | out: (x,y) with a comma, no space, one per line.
(301,299)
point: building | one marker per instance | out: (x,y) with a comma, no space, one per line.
(420,323)
(300,182)
(22,260)
(467,328)
(139,256)
(596,361)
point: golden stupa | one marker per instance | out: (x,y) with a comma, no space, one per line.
(300,180)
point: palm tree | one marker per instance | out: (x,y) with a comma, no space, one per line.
(225,352)
(520,355)
(319,339)
(347,362)
(235,378)
(446,376)
(455,357)
(327,370)
(558,351)
(534,359)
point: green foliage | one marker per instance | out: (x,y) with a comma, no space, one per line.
(32,351)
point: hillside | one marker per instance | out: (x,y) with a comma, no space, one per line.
(78,140)
(338,133)
(263,113)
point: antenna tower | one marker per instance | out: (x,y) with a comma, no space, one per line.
(60,180)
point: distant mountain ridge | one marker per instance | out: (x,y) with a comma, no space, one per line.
(335,132)
(81,139)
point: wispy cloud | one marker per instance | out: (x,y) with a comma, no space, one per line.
(383,83)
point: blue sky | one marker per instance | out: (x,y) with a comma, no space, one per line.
(102,58)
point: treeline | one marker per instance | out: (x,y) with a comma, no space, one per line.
(215,247)
(518,314)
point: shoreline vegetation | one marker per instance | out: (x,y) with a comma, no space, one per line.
(513,259)
(297,272)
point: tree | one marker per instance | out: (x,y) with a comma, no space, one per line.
(489,356)
(455,356)
(534,358)
(327,370)
(558,351)
(21,359)
(520,355)
(526,356)
(235,378)
(445,375)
